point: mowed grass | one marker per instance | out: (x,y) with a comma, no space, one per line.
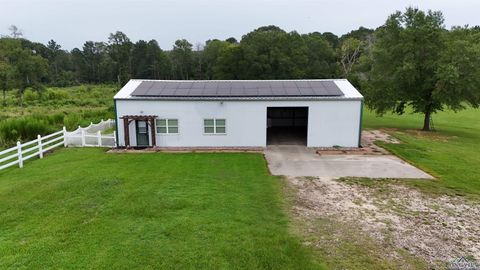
(451,153)
(84,208)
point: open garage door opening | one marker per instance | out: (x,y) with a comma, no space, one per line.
(287,125)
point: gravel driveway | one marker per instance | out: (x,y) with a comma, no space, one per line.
(437,229)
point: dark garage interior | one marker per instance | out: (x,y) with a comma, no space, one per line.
(287,125)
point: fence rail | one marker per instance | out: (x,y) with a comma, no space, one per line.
(28,150)
(90,136)
(92,140)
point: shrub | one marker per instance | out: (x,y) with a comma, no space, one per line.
(56,94)
(30,96)
(72,121)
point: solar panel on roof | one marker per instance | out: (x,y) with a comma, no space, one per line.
(278,91)
(167,91)
(198,85)
(308,91)
(302,84)
(224,85)
(143,88)
(317,84)
(289,84)
(195,92)
(185,85)
(182,92)
(277,84)
(236,88)
(265,92)
(250,85)
(251,92)
(209,92)
(223,91)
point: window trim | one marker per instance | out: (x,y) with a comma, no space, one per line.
(214,126)
(167,127)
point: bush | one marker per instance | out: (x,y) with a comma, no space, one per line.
(72,121)
(30,96)
(55,94)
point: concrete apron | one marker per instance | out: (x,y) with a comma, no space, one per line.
(295,160)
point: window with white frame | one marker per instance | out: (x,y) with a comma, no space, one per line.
(167,126)
(214,126)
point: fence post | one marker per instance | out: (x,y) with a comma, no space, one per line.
(40,148)
(114,138)
(83,137)
(99,138)
(64,136)
(20,158)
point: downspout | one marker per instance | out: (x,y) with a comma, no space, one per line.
(360,125)
(116,122)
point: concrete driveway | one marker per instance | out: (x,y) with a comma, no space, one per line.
(296,160)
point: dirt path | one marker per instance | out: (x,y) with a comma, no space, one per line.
(398,218)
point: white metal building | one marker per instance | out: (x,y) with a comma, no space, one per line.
(316,113)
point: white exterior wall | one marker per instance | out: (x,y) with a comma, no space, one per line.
(330,122)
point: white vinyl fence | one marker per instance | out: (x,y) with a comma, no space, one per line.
(81,137)
(92,135)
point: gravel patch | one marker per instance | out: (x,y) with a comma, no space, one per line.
(437,229)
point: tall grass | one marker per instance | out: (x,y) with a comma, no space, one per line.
(28,127)
(42,112)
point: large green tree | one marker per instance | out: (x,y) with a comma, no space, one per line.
(266,54)
(417,63)
(321,62)
(5,71)
(230,63)
(22,67)
(120,51)
(148,60)
(211,53)
(271,53)
(182,59)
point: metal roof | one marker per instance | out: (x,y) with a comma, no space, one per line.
(236,89)
(239,89)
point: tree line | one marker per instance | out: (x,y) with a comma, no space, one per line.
(410,61)
(265,53)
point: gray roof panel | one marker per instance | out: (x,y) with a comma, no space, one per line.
(264,91)
(184,92)
(302,84)
(142,89)
(209,92)
(268,88)
(251,92)
(309,92)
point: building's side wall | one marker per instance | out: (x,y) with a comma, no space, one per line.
(334,122)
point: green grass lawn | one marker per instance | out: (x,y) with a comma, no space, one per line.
(451,153)
(83,208)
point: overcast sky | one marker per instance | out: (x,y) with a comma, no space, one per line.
(72,22)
